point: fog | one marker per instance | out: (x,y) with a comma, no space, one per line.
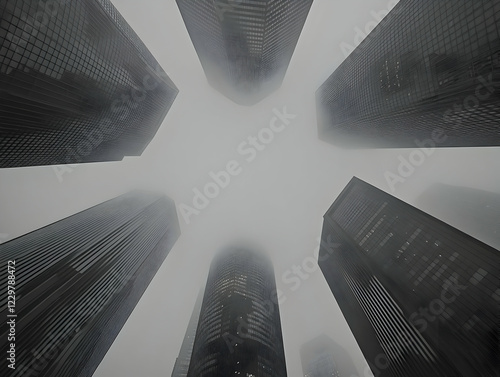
(275,199)
(474,211)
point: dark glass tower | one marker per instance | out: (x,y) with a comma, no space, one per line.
(181,366)
(245,46)
(78,280)
(239,331)
(76,84)
(429,68)
(421,297)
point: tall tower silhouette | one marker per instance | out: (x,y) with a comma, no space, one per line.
(244,46)
(78,280)
(239,331)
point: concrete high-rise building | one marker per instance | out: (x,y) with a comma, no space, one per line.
(182,362)
(317,358)
(427,76)
(244,46)
(76,282)
(421,297)
(239,331)
(76,84)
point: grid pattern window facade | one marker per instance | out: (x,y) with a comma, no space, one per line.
(76,84)
(427,65)
(239,330)
(244,46)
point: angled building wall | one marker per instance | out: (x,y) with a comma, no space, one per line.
(78,280)
(76,85)
(429,73)
(244,46)
(421,297)
(182,362)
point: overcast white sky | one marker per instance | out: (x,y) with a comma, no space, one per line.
(277,200)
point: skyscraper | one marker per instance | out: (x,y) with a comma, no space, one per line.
(76,281)
(427,75)
(244,46)
(76,84)
(239,331)
(421,297)
(181,366)
(317,358)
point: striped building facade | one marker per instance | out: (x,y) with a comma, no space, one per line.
(182,362)
(421,297)
(78,280)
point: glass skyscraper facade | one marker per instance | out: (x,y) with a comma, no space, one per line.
(239,330)
(182,362)
(76,84)
(245,46)
(428,65)
(79,279)
(421,297)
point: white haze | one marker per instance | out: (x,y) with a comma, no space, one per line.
(277,201)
